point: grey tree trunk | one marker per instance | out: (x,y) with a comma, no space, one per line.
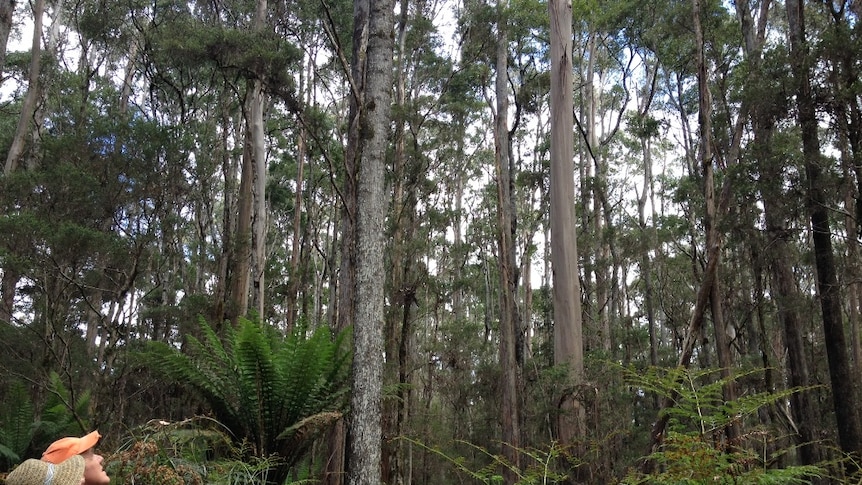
(346,285)
(365,436)
(258,151)
(568,333)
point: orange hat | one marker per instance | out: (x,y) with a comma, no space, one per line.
(65,448)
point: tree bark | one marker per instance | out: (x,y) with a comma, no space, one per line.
(346,286)
(365,436)
(568,333)
(241,249)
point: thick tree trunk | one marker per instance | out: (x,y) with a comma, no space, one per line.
(841,379)
(346,285)
(365,436)
(568,336)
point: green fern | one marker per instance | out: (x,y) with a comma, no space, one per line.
(689,453)
(261,384)
(16,429)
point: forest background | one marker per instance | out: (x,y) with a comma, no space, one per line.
(278,241)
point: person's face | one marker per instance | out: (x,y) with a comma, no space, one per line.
(94,474)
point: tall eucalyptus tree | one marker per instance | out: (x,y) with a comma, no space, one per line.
(568,336)
(509,410)
(376,19)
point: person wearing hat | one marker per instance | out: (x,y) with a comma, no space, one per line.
(37,472)
(65,448)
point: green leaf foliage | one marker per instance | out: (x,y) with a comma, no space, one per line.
(16,425)
(692,451)
(259,383)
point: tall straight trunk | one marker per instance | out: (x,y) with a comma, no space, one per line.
(851,268)
(585,168)
(229,219)
(645,261)
(298,280)
(402,290)
(722,346)
(568,333)
(365,436)
(346,284)
(510,412)
(241,249)
(258,151)
(34,92)
(843,75)
(841,379)
(648,240)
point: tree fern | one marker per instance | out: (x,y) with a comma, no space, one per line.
(260,384)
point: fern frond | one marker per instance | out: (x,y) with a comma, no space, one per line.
(17,424)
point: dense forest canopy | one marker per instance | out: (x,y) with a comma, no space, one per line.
(425,241)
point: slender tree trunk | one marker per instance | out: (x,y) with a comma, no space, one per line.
(510,412)
(784,287)
(297,280)
(398,331)
(647,233)
(8,285)
(706,162)
(842,381)
(258,152)
(241,249)
(229,219)
(365,438)
(568,334)
(848,120)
